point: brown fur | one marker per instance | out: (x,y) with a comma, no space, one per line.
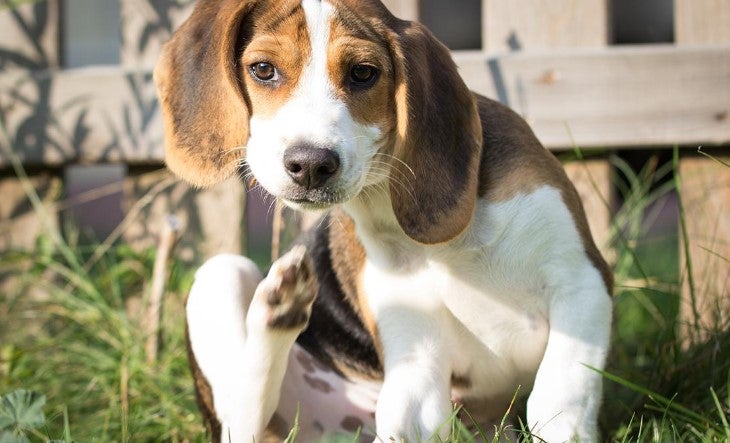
(279,36)
(437,129)
(203,395)
(436,125)
(440,140)
(348,261)
(352,42)
(203,107)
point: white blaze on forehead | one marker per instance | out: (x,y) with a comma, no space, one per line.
(315,79)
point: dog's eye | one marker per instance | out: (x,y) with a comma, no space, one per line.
(264,71)
(363,76)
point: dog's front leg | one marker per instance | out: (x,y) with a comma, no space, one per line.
(241,339)
(566,396)
(414,404)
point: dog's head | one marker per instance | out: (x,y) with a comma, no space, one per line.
(323,98)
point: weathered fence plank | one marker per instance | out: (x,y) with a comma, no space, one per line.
(146,25)
(29,36)
(213,219)
(627,97)
(619,97)
(20,223)
(82,115)
(701,21)
(510,25)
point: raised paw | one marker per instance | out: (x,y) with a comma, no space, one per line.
(289,290)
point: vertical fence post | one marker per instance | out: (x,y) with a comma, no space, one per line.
(705,261)
(705,193)
(511,25)
(592,180)
(701,21)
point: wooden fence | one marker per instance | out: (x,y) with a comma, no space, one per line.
(556,62)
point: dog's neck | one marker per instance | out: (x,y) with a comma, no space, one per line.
(379,231)
(372,211)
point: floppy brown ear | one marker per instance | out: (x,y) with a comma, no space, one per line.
(439,137)
(204,109)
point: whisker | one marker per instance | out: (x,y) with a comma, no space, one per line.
(357,137)
(399,162)
(392,167)
(321,221)
(405,186)
(367,194)
(393,171)
(272,207)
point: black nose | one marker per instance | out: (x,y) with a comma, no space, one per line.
(309,166)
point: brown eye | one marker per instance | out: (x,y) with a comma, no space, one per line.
(362,76)
(264,71)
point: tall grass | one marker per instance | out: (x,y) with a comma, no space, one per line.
(77,338)
(660,386)
(70,329)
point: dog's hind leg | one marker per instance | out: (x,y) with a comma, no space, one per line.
(241,330)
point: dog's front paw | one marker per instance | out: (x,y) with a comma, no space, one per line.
(289,290)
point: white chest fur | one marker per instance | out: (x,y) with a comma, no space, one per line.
(480,304)
(495,336)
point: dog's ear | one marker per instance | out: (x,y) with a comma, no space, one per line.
(439,137)
(204,105)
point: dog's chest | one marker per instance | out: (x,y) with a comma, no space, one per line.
(489,314)
(485,297)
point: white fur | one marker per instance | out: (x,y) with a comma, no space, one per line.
(242,359)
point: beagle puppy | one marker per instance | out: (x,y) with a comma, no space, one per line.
(453,266)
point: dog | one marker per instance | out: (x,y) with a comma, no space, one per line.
(454,265)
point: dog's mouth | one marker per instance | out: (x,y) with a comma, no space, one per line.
(308,196)
(308,205)
(314,199)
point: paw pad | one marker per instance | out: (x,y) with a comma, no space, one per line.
(291,288)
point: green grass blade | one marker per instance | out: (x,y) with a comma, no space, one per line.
(685,240)
(664,402)
(292,437)
(66,427)
(712,157)
(12,4)
(721,413)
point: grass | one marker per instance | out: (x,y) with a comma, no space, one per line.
(77,339)
(71,344)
